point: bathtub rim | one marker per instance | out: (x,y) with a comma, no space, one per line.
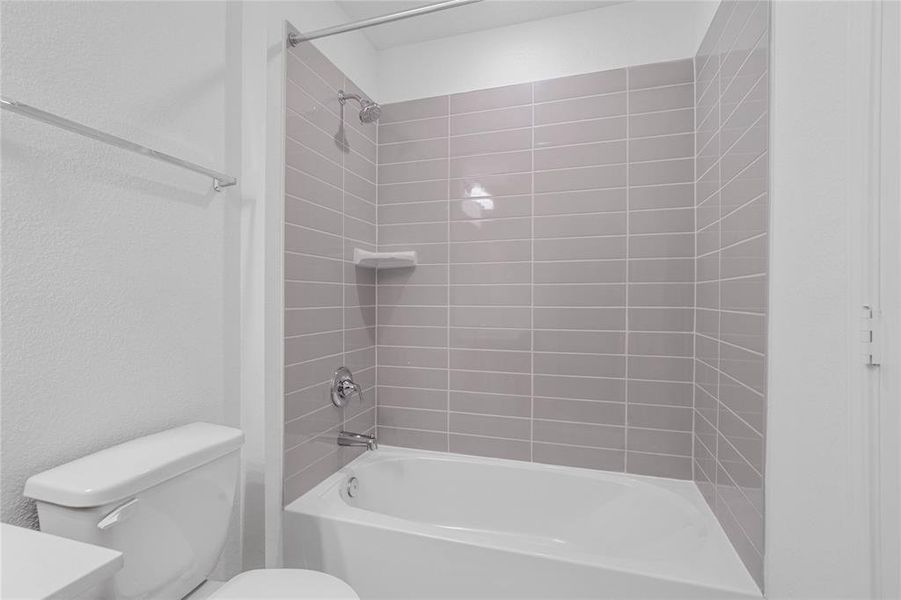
(316,503)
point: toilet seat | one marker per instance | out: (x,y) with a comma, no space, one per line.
(284,584)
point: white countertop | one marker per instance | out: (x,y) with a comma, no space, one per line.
(37,565)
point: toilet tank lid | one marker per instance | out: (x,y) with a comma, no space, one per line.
(121,471)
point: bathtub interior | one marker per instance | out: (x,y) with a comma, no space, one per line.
(657,527)
(573,507)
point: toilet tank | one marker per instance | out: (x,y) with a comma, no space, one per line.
(163,500)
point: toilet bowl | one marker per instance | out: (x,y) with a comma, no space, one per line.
(296,584)
(164,501)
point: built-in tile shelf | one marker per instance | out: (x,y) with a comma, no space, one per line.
(384,260)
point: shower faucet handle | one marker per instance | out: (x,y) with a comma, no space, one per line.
(343,387)
(346,388)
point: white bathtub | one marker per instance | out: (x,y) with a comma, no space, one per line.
(435,525)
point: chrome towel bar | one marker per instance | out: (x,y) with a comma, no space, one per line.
(220,180)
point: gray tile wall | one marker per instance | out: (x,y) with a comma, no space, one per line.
(551,317)
(330,208)
(732,206)
(592,279)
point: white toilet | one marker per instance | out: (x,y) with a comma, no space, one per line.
(165,501)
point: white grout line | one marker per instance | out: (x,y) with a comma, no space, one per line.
(544,149)
(540,126)
(522,193)
(694,370)
(532,282)
(508,395)
(559,169)
(554,443)
(610,212)
(376,364)
(718,315)
(343,274)
(513,306)
(559,260)
(616,117)
(325,131)
(339,166)
(541,103)
(628,271)
(448,289)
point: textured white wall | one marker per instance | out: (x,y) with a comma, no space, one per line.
(632,33)
(125,291)
(817,490)
(120,297)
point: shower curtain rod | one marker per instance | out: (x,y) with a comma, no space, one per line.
(220,180)
(296,38)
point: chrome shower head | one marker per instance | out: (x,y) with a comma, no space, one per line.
(369,110)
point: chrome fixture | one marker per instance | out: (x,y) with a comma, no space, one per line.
(369,110)
(349,438)
(220,180)
(343,387)
(353,487)
(871,336)
(296,38)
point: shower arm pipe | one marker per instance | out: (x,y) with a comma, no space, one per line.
(296,38)
(220,180)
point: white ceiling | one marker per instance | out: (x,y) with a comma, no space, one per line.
(487,14)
